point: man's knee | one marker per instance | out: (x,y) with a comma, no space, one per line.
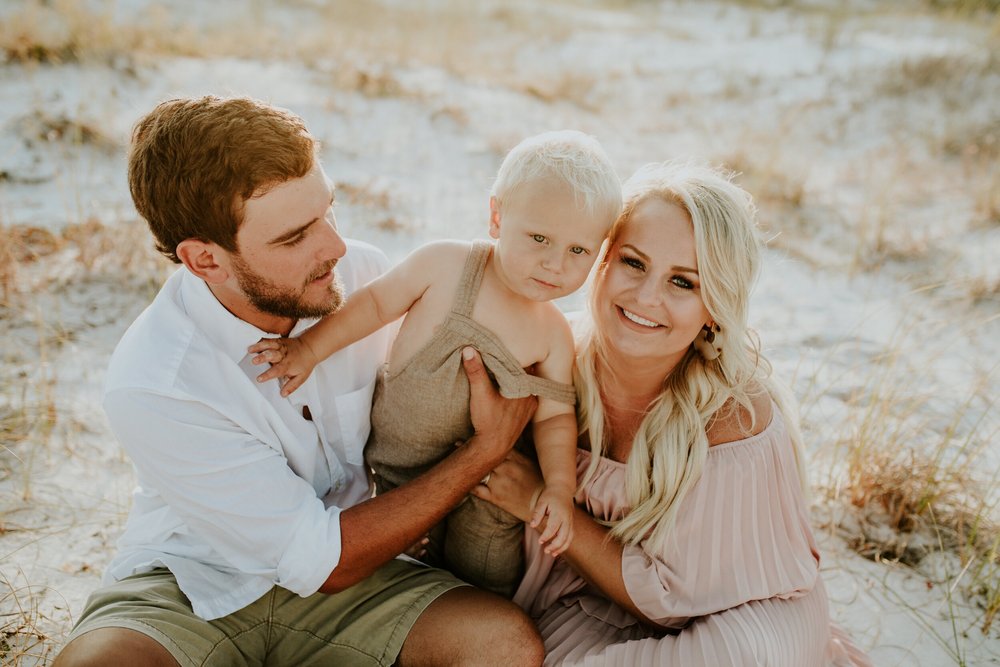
(517,638)
(466,626)
(114,646)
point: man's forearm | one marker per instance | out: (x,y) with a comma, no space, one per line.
(381,528)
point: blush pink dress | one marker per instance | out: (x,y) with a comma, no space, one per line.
(738,585)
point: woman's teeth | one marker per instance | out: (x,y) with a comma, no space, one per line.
(639,320)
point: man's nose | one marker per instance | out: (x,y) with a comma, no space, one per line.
(333,245)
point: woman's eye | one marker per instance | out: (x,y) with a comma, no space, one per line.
(577,250)
(682,282)
(538,238)
(634,263)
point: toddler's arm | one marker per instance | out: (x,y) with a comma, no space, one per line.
(380,302)
(554,431)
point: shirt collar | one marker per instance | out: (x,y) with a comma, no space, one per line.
(229,333)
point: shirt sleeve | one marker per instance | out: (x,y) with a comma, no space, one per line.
(232,490)
(742,534)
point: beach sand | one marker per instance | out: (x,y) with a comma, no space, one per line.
(869,132)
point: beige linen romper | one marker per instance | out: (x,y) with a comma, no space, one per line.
(421,411)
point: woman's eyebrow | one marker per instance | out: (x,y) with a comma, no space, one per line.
(643,256)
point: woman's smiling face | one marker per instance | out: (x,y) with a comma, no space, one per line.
(648,297)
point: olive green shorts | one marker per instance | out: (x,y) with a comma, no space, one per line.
(363,625)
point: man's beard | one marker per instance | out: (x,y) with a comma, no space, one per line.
(269,298)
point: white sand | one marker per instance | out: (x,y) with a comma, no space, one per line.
(852,124)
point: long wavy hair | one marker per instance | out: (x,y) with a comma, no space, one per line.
(671,445)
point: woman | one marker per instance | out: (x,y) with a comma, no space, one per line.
(694,546)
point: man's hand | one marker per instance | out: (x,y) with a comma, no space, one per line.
(497,421)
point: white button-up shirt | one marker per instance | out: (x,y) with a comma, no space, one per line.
(237,490)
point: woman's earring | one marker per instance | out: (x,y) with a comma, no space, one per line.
(708,342)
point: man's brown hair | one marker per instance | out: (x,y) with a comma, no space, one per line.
(194,162)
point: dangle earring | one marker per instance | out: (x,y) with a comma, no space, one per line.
(709,342)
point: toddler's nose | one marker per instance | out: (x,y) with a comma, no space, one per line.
(553,261)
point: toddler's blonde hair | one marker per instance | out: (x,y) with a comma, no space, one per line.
(575,158)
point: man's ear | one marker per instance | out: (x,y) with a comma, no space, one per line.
(206,260)
(494,218)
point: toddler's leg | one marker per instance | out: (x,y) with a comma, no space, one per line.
(484,545)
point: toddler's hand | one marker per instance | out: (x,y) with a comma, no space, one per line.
(290,358)
(557,511)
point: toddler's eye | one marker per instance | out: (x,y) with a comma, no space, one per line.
(538,238)
(577,250)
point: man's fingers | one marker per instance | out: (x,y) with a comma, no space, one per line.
(479,381)
(481,491)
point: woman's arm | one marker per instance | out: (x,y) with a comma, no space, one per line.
(593,553)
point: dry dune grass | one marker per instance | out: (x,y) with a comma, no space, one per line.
(904,505)
(34,259)
(910,480)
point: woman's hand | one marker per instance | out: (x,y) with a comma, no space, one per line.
(514,486)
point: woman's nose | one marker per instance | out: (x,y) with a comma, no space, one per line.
(648,292)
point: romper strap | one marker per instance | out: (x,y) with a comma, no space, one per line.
(472,278)
(557,391)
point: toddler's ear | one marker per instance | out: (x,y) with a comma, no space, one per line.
(494,218)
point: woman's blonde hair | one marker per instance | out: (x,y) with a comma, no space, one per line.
(671,445)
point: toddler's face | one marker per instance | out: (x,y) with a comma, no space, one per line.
(547,242)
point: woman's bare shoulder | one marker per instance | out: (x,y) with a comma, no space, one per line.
(735,422)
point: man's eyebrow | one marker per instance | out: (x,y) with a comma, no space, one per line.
(292,233)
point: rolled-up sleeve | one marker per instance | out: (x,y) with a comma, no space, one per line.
(236,493)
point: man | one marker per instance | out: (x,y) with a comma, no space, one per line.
(253,537)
